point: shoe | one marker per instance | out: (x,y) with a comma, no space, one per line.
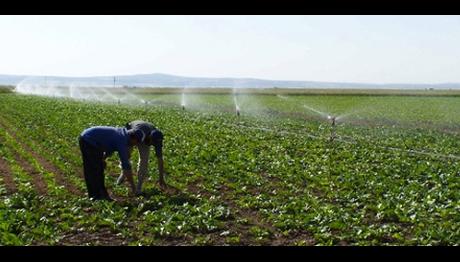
(106,198)
(104,195)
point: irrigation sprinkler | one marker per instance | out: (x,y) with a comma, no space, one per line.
(333,126)
(182,103)
(237,107)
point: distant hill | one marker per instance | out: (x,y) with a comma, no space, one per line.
(165,80)
(10,79)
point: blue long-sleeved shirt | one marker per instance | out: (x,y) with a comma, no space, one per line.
(109,139)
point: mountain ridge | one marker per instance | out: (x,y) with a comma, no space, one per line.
(168,80)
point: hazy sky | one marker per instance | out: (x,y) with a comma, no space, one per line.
(380,49)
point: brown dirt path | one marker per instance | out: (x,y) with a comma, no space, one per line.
(47,165)
(5,172)
(37,178)
(252,218)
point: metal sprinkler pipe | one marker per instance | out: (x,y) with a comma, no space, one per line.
(333,126)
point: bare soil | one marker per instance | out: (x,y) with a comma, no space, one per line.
(5,172)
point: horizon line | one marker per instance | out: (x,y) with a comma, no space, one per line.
(229,77)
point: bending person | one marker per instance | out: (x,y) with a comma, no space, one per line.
(153,138)
(98,143)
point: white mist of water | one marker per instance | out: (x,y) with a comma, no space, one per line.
(182,103)
(245,101)
(353,114)
(235,101)
(282,97)
(36,86)
(128,97)
(343,116)
(322,114)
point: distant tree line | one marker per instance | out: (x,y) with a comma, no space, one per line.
(6,89)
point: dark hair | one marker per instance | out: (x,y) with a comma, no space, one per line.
(156,135)
(136,134)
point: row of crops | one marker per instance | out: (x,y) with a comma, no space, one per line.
(270,176)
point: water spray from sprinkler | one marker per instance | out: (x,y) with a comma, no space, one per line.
(333,119)
(282,97)
(183,100)
(322,114)
(237,107)
(333,125)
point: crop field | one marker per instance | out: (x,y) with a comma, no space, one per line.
(387,172)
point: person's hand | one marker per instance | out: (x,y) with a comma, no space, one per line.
(129,176)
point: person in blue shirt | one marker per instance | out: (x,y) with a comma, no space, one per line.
(100,142)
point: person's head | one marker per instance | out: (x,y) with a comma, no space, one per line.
(155,138)
(136,136)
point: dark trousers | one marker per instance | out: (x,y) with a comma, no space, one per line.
(93,169)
